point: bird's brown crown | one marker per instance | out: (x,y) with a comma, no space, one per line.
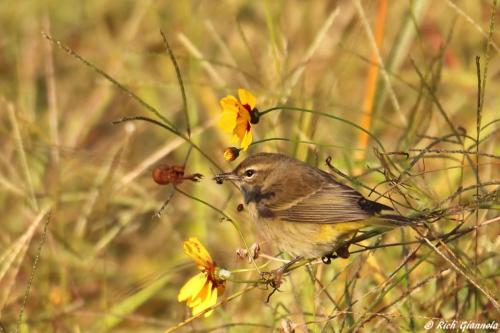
(257,167)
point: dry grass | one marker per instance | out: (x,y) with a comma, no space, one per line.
(82,248)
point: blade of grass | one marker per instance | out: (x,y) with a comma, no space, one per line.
(401,46)
(294,109)
(51,96)
(473,23)
(478,181)
(109,78)
(99,193)
(441,110)
(225,50)
(371,81)
(459,270)
(385,75)
(157,155)
(169,129)
(33,271)
(119,312)
(22,153)
(481,88)
(313,47)
(195,52)
(179,80)
(273,38)
(13,257)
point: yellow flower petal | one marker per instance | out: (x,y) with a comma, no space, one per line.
(246,97)
(240,129)
(235,139)
(236,116)
(243,115)
(196,251)
(211,301)
(196,301)
(227,121)
(247,140)
(192,288)
(206,300)
(230,104)
(201,296)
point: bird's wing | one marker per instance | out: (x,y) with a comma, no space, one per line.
(329,203)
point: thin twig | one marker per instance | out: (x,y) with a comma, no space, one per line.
(33,271)
(222,302)
(441,109)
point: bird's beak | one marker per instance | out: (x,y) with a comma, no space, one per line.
(219,178)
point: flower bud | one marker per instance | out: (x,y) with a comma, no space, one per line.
(223,274)
(231,153)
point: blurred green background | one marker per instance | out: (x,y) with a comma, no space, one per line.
(109,265)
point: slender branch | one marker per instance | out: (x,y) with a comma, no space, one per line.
(222,302)
(324,114)
(227,217)
(174,131)
(441,109)
(33,271)
(453,151)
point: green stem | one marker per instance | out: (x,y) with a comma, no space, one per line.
(245,281)
(172,130)
(108,77)
(303,142)
(324,114)
(227,217)
(246,270)
(179,79)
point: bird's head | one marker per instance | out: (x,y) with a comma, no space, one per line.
(253,171)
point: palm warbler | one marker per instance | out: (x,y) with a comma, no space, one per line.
(302,209)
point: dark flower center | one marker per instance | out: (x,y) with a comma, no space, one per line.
(254,114)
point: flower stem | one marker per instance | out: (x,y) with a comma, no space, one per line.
(324,114)
(172,130)
(227,300)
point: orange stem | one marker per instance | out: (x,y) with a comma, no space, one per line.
(371,80)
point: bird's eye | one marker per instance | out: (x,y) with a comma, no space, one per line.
(249,173)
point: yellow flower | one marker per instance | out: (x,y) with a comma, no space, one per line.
(238,115)
(201,291)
